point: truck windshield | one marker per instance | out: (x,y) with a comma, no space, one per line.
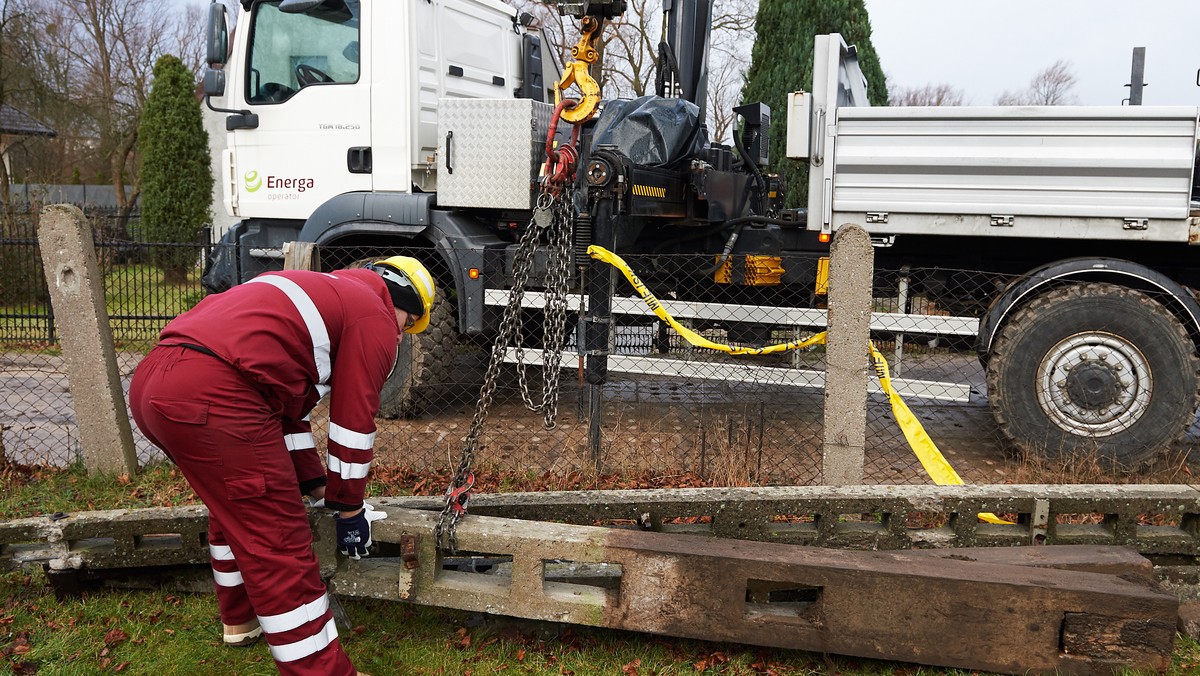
(291,51)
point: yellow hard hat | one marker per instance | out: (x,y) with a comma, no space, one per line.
(411,287)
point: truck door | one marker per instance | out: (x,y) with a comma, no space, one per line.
(304,78)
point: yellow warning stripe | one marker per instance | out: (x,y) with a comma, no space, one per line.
(649,191)
(927,452)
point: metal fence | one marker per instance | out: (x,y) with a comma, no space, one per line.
(673,410)
(37,420)
(669,409)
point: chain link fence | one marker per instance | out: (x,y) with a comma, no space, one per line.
(37,420)
(669,409)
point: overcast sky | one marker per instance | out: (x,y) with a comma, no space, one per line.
(984,47)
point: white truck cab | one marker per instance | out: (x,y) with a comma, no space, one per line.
(327,98)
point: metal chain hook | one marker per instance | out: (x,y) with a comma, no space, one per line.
(552,216)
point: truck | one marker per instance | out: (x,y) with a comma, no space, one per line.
(370,126)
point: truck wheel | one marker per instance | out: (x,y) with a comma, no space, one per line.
(1093,368)
(423,365)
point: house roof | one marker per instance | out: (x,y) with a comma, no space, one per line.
(19,123)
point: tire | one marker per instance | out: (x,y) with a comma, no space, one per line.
(1093,368)
(423,365)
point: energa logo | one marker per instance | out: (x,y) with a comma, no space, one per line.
(253,181)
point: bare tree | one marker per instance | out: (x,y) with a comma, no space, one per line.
(631,50)
(929,95)
(13,26)
(725,82)
(1053,86)
(188,39)
(729,57)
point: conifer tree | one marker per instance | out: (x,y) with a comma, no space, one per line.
(177,179)
(782,62)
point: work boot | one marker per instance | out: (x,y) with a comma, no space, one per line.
(242,635)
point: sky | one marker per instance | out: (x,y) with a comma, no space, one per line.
(984,47)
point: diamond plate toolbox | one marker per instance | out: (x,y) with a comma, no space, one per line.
(490,151)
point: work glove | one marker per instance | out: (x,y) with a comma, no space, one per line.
(354,533)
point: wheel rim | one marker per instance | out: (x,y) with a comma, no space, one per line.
(1094,384)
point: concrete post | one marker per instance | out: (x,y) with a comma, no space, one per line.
(77,295)
(851,260)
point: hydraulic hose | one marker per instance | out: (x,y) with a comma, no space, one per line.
(754,170)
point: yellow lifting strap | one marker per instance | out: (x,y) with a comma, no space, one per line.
(576,73)
(935,464)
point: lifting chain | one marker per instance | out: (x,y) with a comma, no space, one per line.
(551,224)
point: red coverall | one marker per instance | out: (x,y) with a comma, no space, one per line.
(227,393)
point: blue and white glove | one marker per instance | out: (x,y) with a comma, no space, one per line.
(354,532)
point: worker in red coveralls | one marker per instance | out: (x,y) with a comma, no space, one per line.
(227,394)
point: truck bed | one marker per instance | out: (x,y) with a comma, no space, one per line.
(1118,173)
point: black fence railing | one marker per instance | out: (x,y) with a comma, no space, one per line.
(36,412)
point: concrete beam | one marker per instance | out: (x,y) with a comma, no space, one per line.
(851,261)
(901,517)
(884,605)
(77,296)
(1079,609)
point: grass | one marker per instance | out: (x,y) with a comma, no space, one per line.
(167,632)
(163,632)
(31,491)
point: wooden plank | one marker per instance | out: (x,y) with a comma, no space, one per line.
(299,255)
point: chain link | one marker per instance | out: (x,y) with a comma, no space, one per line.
(554,322)
(553,217)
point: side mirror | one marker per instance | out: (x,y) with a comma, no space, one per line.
(218,35)
(214,82)
(298,6)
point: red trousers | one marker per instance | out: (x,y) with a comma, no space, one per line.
(228,441)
